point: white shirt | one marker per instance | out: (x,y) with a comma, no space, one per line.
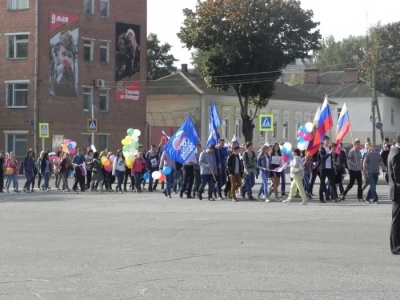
(277,160)
(328,162)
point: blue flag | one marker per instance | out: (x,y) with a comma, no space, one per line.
(183,143)
(213,123)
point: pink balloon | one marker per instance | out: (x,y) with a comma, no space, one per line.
(307,137)
(108,168)
(112,158)
(300,134)
(72,151)
(285,158)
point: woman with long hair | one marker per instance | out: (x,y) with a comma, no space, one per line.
(27,167)
(12,163)
(97,174)
(46,168)
(88,162)
(65,167)
(263,165)
(56,170)
(38,167)
(297,173)
(119,170)
(276,162)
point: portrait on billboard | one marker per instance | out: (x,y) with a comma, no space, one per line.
(127,62)
(64,33)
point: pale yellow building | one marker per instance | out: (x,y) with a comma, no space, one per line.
(171,99)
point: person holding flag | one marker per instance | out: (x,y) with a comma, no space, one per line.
(208,169)
(324,121)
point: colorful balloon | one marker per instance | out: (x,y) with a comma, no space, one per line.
(309,127)
(146,176)
(307,137)
(9,171)
(288,146)
(72,151)
(285,158)
(129,163)
(300,140)
(137,132)
(125,142)
(128,138)
(108,168)
(156,175)
(130,131)
(166,170)
(162,178)
(303,129)
(126,148)
(112,158)
(135,138)
(69,146)
(73,144)
(106,162)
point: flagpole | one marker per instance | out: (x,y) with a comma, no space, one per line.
(330,129)
(351,133)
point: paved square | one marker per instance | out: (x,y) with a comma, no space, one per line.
(130,246)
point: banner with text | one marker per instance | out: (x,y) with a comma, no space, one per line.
(127,60)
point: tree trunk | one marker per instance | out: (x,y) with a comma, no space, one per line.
(247,128)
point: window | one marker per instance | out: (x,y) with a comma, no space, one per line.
(285,130)
(103,101)
(17,143)
(86,139)
(17,94)
(238,128)
(17,46)
(87,98)
(339,110)
(103,141)
(275,132)
(226,128)
(392,116)
(89,7)
(18,4)
(88,50)
(104,52)
(104,8)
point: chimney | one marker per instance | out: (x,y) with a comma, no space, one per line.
(311,76)
(351,76)
(184,68)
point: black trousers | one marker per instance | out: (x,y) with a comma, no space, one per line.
(197,182)
(79,179)
(188,180)
(314,175)
(1,180)
(395,230)
(330,174)
(355,175)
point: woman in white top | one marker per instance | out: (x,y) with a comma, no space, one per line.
(276,162)
(297,173)
(119,170)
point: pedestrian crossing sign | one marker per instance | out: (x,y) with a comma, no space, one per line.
(266,122)
(44,130)
(92,125)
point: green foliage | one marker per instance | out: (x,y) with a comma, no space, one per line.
(296,79)
(159,62)
(247,43)
(384,56)
(339,55)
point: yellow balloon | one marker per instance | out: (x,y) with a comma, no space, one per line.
(106,162)
(129,163)
(125,142)
(128,138)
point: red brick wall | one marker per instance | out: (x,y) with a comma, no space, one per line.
(66,115)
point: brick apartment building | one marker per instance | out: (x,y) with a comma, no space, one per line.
(61,61)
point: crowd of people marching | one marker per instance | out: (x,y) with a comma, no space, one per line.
(228,171)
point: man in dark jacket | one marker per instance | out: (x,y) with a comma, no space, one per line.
(394,194)
(235,171)
(326,158)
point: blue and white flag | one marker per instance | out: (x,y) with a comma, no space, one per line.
(213,124)
(183,143)
(234,141)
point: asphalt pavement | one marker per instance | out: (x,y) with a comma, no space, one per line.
(146,246)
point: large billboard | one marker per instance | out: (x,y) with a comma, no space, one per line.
(64,33)
(127,60)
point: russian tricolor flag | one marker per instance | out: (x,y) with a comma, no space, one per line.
(164,136)
(325,121)
(313,145)
(343,124)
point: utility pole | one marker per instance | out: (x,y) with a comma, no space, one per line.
(373,104)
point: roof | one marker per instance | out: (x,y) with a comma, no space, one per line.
(332,84)
(191,84)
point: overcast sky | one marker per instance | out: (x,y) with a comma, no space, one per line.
(340,18)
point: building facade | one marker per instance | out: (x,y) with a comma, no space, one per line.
(171,99)
(347,87)
(63,63)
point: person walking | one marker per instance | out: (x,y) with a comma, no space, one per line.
(2,170)
(188,168)
(263,164)
(152,163)
(394,194)
(355,171)
(119,170)
(208,170)
(371,164)
(297,173)
(276,162)
(250,164)
(78,162)
(166,161)
(27,168)
(97,173)
(12,163)
(235,171)
(327,157)
(45,168)
(197,176)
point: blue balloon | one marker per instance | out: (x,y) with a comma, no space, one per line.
(69,146)
(146,176)
(166,170)
(303,129)
(300,140)
(283,150)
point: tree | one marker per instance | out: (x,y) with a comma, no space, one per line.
(248,43)
(339,55)
(384,56)
(159,62)
(199,59)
